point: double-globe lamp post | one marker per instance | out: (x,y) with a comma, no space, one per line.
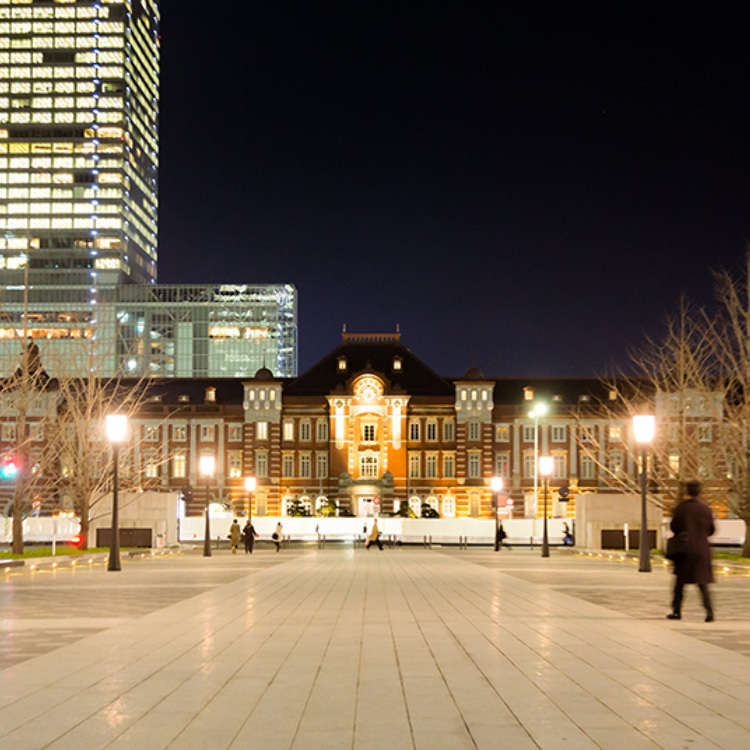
(116,428)
(546,464)
(206,468)
(497,487)
(644,429)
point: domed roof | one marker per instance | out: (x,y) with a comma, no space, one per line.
(474,374)
(264,374)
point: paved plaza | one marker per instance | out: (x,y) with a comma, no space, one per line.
(348,648)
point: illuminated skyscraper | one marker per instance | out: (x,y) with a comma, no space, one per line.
(79,148)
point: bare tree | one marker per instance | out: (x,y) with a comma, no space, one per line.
(85,454)
(675,377)
(28,400)
(733,349)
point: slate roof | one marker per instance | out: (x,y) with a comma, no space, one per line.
(415,377)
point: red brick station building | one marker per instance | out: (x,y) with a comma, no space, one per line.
(371,426)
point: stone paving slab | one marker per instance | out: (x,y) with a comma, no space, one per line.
(369,649)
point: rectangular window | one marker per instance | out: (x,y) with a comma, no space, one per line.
(704,432)
(674,463)
(235,433)
(305,431)
(234,461)
(368,433)
(321,431)
(616,462)
(587,434)
(475,465)
(151,434)
(431,431)
(587,468)
(502,433)
(430,466)
(502,465)
(528,465)
(414,431)
(449,466)
(9,432)
(414,465)
(560,470)
(261,430)
(179,465)
(615,434)
(261,464)
(474,430)
(305,465)
(705,465)
(528,433)
(558,433)
(207,433)
(449,430)
(368,467)
(150,464)
(287,465)
(321,465)
(288,430)
(179,433)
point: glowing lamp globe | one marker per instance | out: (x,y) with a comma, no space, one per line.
(546,465)
(644,428)
(116,427)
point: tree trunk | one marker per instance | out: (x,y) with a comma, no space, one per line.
(17,529)
(746,545)
(84,532)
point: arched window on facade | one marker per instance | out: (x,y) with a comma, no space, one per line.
(416,506)
(449,506)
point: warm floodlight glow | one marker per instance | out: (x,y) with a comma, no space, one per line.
(644,428)
(546,465)
(539,410)
(250,484)
(207,466)
(497,484)
(116,426)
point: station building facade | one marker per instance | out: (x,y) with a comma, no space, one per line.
(371,427)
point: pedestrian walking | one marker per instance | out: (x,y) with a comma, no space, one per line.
(276,536)
(374,537)
(235,532)
(249,534)
(501,537)
(567,536)
(692,524)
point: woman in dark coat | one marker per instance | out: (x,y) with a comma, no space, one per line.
(693,517)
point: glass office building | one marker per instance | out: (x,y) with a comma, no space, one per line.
(79,158)
(79,149)
(156,330)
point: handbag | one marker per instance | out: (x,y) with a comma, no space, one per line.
(274,536)
(677,546)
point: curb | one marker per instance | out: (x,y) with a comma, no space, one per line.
(77,561)
(722,567)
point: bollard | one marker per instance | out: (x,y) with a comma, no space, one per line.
(531,542)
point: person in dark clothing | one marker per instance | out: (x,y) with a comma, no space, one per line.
(693,518)
(248,534)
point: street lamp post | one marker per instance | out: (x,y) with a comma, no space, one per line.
(497,487)
(206,467)
(546,464)
(644,428)
(539,410)
(116,427)
(250,484)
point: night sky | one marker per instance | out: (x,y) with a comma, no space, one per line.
(526,191)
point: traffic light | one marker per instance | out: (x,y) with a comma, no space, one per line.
(8,468)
